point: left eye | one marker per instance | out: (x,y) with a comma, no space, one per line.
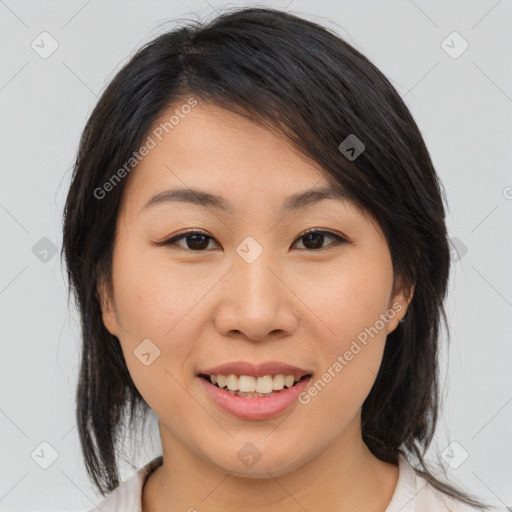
(313,240)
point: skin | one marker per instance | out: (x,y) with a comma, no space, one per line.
(300,305)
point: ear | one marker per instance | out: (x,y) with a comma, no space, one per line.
(399,302)
(104,294)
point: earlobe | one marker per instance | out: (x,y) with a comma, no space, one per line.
(107,309)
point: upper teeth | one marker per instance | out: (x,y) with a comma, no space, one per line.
(249,384)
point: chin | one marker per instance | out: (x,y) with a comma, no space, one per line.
(265,463)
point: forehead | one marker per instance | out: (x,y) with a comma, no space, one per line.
(211,146)
(254,172)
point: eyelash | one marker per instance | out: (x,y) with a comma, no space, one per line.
(173,241)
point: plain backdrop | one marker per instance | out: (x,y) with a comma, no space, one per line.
(461,98)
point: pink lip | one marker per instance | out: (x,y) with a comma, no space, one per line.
(245,368)
(254,408)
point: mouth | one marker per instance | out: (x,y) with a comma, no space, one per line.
(251,386)
(253,397)
(254,391)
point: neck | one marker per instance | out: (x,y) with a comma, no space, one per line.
(346,476)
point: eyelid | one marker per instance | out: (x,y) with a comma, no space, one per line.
(181,234)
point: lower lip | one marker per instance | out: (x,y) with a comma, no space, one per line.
(257,408)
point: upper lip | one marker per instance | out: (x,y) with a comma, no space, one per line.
(258,370)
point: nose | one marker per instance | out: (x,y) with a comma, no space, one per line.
(257,300)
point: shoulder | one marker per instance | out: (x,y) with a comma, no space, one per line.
(431,499)
(128,495)
(414,494)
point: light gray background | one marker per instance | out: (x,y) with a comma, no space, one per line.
(463,107)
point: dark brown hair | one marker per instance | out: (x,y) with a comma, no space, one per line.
(305,82)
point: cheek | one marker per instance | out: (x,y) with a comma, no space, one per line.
(347,373)
(152,295)
(350,305)
(349,297)
(151,313)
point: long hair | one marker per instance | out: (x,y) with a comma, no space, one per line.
(305,82)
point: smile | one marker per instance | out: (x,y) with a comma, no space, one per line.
(254,387)
(253,406)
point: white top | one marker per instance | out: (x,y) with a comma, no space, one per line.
(412,493)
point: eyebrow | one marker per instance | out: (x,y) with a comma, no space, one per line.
(199,197)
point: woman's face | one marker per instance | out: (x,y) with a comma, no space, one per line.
(251,288)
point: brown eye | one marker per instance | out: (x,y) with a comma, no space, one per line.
(194,241)
(197,241)
(314,239)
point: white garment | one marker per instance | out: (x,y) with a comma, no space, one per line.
(412,493)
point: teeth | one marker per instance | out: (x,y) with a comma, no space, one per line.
(232,382)
(251,395)
(279,382)
(266,384)
(246,384)
(289,381)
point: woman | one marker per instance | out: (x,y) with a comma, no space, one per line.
(256,238)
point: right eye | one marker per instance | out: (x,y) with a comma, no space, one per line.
(196,240)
